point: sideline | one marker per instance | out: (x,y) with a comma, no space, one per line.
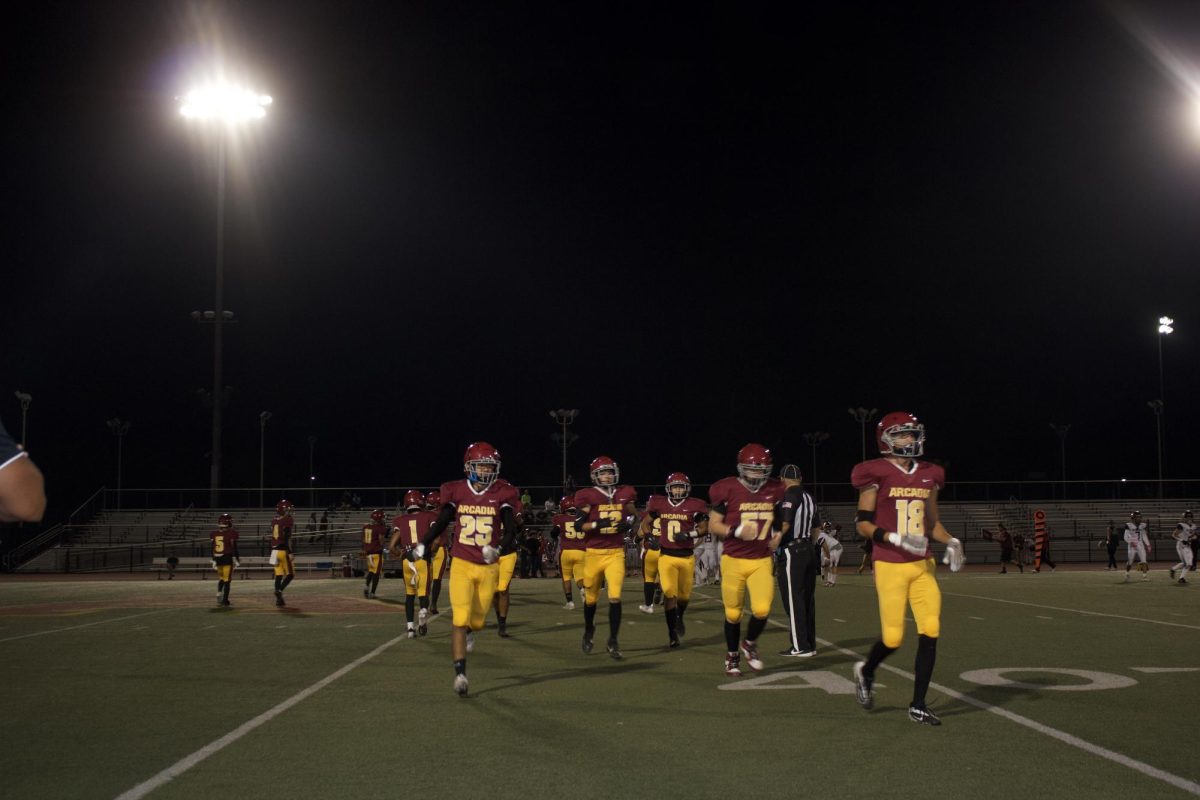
(90,624)
(1073,610)
(1062,736)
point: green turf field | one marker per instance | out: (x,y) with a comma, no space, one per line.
(109,684)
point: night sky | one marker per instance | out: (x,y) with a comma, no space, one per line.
(701,225)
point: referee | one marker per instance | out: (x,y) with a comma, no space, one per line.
(796,564)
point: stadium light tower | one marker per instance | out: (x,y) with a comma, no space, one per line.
(863,415)
(262,451)
(226,108)
(26,398)
(564,417)
(312,477)
(119,428)
(1062,431)
(815,440)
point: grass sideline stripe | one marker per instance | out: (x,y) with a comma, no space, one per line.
(183,765)
(1074,610)
(89,624)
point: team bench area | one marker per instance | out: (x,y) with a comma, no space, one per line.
(249,564)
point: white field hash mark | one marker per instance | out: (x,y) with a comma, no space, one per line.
(87,624)
(183,765)
(1062,736)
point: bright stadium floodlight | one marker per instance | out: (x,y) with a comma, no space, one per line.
(228,104)
(1164,325)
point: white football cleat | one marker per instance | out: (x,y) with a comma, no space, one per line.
(470,641)
(750,653)
(460,685)
(646,609)
(569,605)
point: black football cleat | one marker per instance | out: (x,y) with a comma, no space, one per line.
(923,715)
(587,640)
(279,599)
(674,641)
(680,628)
(614,649)
(502,629)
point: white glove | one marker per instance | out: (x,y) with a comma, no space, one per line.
(385,552)
(910,542)
(736,532)
(416,575)
(214,563)
(419,550)
(490,554)
(237,562)
(954,556)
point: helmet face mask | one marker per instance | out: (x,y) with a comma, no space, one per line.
(412,500)
(225,521)
(566,503)
(481,464)
(433,500)
(605,472)
(284,508)
(377,515)
(678,487)
(900,434)
(754,465)
(1187,516)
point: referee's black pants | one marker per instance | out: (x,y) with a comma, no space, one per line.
(797,575)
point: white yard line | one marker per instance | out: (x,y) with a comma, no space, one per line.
(183,765)
(88,624)
(1072,610)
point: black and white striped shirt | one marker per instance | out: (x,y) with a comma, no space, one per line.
(798,508)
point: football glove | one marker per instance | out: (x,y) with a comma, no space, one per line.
(418,551)
(913,543)
(625,525)
(580,517)
(415,574)
(699,517)
(653,543)
(214,563)
(737,533)
(490,554)
(237,562)
(954,556)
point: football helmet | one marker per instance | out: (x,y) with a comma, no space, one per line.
(1136,516)
(481,463)
(602,467)
(567,503)
(896,425)
(412,501)
(1186,516)
(754,466)
(433,500)
(377,515)
(284,507)
(225,521)
(678,487)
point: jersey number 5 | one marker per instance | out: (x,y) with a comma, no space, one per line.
(475,530)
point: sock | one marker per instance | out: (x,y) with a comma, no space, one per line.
(278,589)
(879,652)
(648,591)
(589,617)
(375,581)
(409,602)
(680,607)
(614,618)
(926,655)
(733,632)
(434,591)
(423,601)
(670,616)
(460,667)
(220,586)
(225,594)
(567,592)
(755,628)
(500,619)
(286,580)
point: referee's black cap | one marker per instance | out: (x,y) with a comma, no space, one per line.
(791,472)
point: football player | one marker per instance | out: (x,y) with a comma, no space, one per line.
(225,556)
(441,555)
(1137,542)
(831,551)
(650,541)
(570,549)
(1184,534)
(508,565)
(743,515)
(373,551)
(484,509)
(898,512)
(408,531)
(1005,540)
(605,513)
(282,557)
(675,520)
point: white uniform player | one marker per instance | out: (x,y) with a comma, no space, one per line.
(1185,533)
(1137,540)
(831,553)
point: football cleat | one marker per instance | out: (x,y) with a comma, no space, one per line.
(569,605)
(588,633)
(863,686)
(790,653)
(646,609)
(410,633)
(674,641)
(1171,572)
(470,641)
(225,603)
(732,669)
(1181,582)
(366,593)
(502,629)
(433,612)
(680,628)
(614,649)
(279,599)
(460,685)
(750,651)
(372,597)
(923,715)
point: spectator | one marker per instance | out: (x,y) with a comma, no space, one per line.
(312,522)
(172,564)
(526,498)
(22,490)
(1112,540)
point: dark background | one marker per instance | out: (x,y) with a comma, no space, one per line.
(700,224)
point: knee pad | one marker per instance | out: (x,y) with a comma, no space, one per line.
(893,637)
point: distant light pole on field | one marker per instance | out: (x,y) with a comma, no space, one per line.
(863,415)
(1062,431)
(227,108)
(119,428)
(312,477)
(1165,327)
(26,398)
(262,451)
(564,417)
(814,440)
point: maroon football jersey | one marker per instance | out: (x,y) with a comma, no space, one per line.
(674,521)
(413,528)
(743,505)
(901,501)
(569,538)
(478,516)
(224,543)
(281,533)
(611,507)
(372,537)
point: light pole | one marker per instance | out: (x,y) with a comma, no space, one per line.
(119,428)
(815,440)
(262,451)
(227,107)
(1157,407)
(1165,327)
(312,478)
(1062,431)
(26,398)
(564,417)
(863,415)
